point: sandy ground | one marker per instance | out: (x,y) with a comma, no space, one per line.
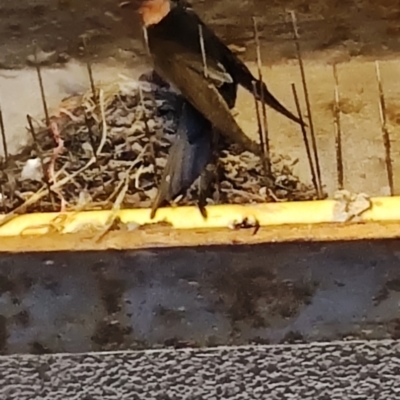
(353,34)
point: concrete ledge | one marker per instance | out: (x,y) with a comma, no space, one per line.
(184,226)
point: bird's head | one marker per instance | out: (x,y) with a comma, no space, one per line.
(151,11)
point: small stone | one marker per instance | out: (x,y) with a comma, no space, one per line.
(237,49)
(42,58)
(32,170)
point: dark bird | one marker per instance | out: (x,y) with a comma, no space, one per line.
(188,55)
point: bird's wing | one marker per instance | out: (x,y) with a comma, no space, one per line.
(204,96)
(187,157)
(238,71)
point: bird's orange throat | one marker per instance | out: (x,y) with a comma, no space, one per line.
(153,11)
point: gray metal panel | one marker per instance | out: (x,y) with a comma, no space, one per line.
(328,371)
(79,302)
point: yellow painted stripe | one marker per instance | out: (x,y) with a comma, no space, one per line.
(220,216)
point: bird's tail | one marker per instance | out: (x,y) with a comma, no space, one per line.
(187,158)
(244,77)
(262,92)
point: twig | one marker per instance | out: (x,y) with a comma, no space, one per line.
(385,131)
(118,201)
(69,114)
(104,125)
(3,137)
(39,152)
(203,51)
(265,164)
(338,131)
(31,200)
(90,134)
(90,73)
(264,122)
(42,93)
(92,86)
(3,199)
(116,207)
(56,153)
(92,144)
(296,38)
(305,139)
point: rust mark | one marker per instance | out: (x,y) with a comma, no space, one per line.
(293,337)
(111,289)
(6,284)
(170,316)
(110,334)
(384,292)
(22,318)
(39,348)
(393,284)
(255,293)
(50,283)
(394,328)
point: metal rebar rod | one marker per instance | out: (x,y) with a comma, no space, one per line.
(305,139)
(338,132)
(296,38)
(385,131)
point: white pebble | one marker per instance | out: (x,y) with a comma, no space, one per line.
(32,170)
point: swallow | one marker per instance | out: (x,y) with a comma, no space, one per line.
(198,64)
(188,55)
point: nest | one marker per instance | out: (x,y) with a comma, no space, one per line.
(110,153)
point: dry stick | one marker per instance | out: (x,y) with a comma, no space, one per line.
(264,161)
(338,131)
(90,133)
(305,138)
(42,94)
(296,38)
(264,122)
(385,132)
(92,144)
(96,102)
(3,137)
(92,86)
(3,199)
(90,73)
(40,155)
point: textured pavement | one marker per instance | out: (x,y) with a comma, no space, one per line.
(336,370)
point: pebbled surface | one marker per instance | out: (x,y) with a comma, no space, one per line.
(337,370)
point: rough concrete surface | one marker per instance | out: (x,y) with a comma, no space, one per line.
(275,293)
(326,371)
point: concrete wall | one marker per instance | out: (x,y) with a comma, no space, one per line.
(78,302)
